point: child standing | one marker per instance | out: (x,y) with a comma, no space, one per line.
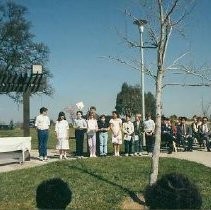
(116,129)
(128,130)
(92,128)
(42,124)
(103,127)
(80,126)
(62,133)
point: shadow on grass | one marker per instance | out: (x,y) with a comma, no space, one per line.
(132,194)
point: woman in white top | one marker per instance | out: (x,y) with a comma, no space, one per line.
(116,129)
(62,133)
(128,130)
(92,128)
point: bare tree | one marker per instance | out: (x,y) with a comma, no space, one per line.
(167,18)
(205,107)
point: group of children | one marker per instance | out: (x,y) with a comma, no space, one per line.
(96,128)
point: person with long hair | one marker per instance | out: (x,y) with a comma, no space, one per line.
(62,134)
(116,129)
(92,128)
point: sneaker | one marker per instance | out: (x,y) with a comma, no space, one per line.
(45,158)
(40,158)
(140,154)
(135,154)
(126,154)
(131,154)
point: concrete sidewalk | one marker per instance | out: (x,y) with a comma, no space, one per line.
(202,157)
(11,165)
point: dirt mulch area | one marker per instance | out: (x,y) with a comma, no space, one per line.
(130,203)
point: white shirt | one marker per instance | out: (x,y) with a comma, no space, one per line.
(115,124)
(205,128)
(92,126)
(128,128)
(42,122)
(149,125)
(80,123)
(61,129)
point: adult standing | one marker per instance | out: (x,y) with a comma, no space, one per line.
(80,126)
(149,128)
(42,124)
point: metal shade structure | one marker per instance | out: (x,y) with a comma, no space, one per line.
(21,83)
(26,84)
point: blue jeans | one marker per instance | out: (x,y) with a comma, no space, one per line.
(138,144)
(42,142)
(103,137)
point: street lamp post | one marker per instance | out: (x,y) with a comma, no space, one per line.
(140,23)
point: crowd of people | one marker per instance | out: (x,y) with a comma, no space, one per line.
(180,133)
(123,131)
(171,191)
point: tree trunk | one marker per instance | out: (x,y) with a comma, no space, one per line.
(156,151)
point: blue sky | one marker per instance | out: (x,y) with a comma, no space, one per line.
(79,32)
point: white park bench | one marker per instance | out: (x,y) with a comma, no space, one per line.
(18,146)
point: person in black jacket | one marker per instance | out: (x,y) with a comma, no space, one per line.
(103,127)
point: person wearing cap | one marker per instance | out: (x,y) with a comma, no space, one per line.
(42,124)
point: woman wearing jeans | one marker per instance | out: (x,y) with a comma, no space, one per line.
(103,127)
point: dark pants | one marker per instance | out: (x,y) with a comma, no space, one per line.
(42,142)
(150,141)
(138,144)
(187,143)
(206,140)
(79,136)
(167,138)
(128,147)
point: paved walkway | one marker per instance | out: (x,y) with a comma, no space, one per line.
(202,157)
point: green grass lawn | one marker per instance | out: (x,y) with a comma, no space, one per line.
(100,183)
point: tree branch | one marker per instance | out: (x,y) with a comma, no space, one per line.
(188,85)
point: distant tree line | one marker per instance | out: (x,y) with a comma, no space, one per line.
(129,100)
